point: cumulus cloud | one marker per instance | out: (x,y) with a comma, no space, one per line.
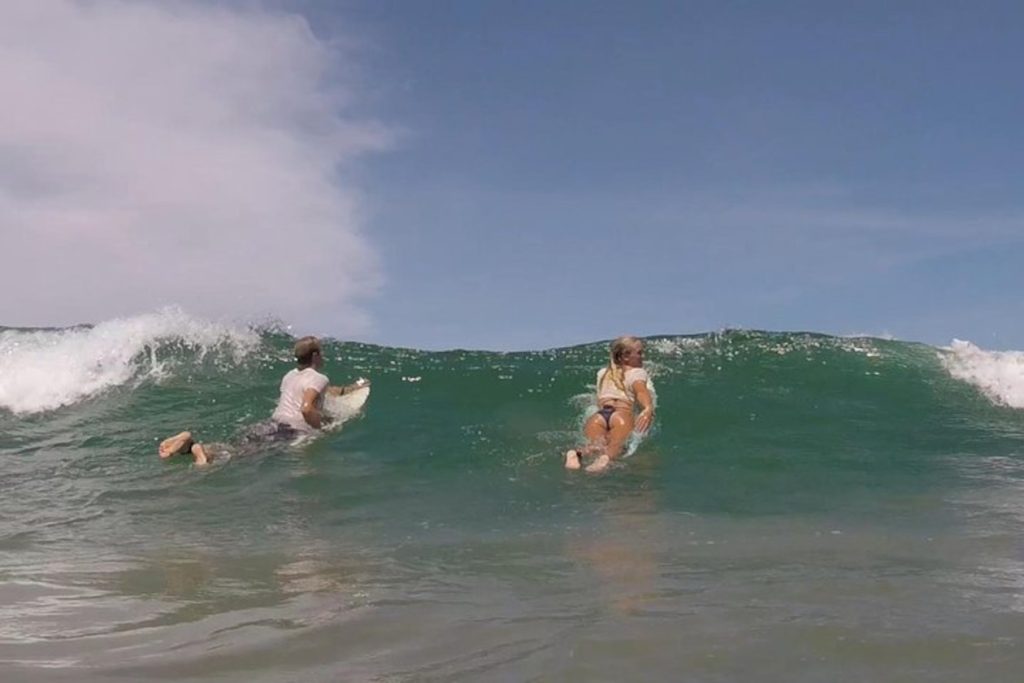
(178,154)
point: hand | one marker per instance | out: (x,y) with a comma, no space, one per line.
(358,384)
(644,420)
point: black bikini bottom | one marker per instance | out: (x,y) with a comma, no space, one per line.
(606,412)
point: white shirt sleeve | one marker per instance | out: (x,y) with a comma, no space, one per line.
(319,382)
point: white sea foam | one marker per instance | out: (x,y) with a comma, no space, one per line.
(999,374)
(46,369)
(676,346)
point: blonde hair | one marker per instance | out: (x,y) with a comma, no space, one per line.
(304,349)
(614,370)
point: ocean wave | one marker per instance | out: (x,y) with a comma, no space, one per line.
(998,374)
(42,370)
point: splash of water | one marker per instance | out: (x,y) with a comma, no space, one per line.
(45,369)
(999,374)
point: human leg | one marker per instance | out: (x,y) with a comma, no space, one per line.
(621,428)
(201,454)
(596,433)
(182,443)
(572,459)
(175,445)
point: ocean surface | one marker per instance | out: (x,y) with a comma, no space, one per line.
(808,508)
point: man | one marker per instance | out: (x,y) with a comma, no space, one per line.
(299,408)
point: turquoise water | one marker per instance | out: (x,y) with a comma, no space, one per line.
(808,508)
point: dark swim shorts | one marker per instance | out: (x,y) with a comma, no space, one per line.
(268,431)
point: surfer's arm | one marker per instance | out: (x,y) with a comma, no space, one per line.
(348,388)
(310,411)
(646,401)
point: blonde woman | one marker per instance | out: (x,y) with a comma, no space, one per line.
(621,386)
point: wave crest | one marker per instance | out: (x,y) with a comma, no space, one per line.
(999,374)
(42,370)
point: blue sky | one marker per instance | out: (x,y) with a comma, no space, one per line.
(520,175)
(576,170)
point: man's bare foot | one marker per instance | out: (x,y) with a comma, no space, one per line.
(200,454)
(176,445)
(572,459)
(599,465)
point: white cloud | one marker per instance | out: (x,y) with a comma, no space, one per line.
(177,154)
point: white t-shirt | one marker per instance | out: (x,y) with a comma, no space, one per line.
(609,391)
(293,386)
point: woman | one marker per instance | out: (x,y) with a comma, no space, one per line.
(620,386)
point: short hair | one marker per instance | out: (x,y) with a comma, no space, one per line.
(305,348)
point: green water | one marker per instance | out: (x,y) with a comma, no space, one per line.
(808,508)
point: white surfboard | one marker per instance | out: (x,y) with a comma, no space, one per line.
(343,408)
(637,438)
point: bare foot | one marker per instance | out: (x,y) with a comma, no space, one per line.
(572,459)
(176,445)
(200,454)
(599,465)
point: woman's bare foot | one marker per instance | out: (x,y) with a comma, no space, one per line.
(176,445)
(599,465)
(200,454)
(572,459)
